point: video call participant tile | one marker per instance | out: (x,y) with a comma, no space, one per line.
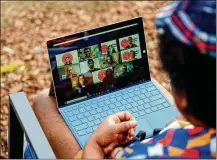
(109,60)
(69,71)
(123,69)
(131,54)
(89,53)
(109,47)
(67,58)
(129,42)
(98,76)
(90,65)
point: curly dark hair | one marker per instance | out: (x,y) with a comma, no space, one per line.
(193,73)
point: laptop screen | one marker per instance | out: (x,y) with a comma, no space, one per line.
(98,61)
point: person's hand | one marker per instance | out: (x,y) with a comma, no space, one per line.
(114,130)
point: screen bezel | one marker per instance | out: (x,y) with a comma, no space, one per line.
(68,38)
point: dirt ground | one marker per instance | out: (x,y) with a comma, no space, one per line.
(25,27)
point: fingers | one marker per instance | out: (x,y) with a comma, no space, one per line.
(124,116)
(125,126)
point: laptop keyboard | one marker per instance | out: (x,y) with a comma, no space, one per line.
(139,100)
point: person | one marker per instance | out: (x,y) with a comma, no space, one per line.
(82,81)
(124,71)
(188,55)
(70,72)
(132,55)
(87,53)
(109,62)
(90,63)
(68,61)
(109,80)
(130,43)
(111,50)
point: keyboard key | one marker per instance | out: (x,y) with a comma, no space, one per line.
(122,108)
(94,106)
(69,114)
(141,96)
(81,127)
(82,132)
(97,121)
(130,90)
(86,114)
(128,106)
(75,112)
(99,110)
(67,110)
(90,118)
(140,107)
(94,128)
(113,100)
(126,96)
(84,120)
(103,114)
(100,104)
(166,104)
(136,89)
(80,116)
(159,101)
(124,102)
(150,88)
(124,92)
(135,109)
(154,92)
(134,104)
(72,118)
(97,116)
(119,98)
(93,112)
(90,124)
(82,110)
(113,106)
(116,110)
(88,108)
(118,104)
(154,108)
(110,112)
(76,123)
(137,93)
(146,105)
(136,98)
(140,102)
(136,115)
(105,108)
(107,102)
(148,110)
(148,84)
(143,90)
(148,94)
(160,106)
(132,95)
(153,98)
(130,100)
(142,112)
(146,100)
(89,130)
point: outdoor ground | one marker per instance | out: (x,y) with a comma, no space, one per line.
(25,27)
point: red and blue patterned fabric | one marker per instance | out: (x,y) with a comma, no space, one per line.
(191,22)
(188,142)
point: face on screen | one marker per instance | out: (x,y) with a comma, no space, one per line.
(109,62)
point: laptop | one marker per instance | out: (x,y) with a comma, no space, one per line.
(105,70)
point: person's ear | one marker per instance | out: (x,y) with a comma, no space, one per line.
(180,99)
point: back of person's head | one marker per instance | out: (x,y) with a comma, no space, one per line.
(188,54)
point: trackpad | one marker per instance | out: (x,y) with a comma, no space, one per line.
(161,118)
(144,126)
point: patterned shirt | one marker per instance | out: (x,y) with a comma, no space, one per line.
(187,142)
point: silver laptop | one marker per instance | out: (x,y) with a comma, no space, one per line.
(102,71)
